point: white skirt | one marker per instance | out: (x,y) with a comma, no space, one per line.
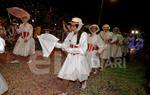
(24,49)
(116,51)
(93,59)
(75,68)
(3,85)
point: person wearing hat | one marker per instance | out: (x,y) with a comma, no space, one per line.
(75,67)
(25,45)
(116,46)
(94,46)
(107,39)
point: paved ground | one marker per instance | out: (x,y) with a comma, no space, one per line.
(112,81)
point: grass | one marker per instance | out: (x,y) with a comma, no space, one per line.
(117,81)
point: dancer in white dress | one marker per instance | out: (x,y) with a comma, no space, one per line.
(25,45)
(108,39)
(75,67)
(116,50)
(94,46)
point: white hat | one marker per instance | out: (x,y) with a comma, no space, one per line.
(77,20)
(106,25)
(94,25)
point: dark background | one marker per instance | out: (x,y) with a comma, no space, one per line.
(122,13)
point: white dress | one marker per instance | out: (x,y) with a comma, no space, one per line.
(75,66)
(3,85)
(25,48)
(107,39)
(116,50)
(94,42)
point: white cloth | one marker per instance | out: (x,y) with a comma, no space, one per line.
(93,59)
(75,66)
(3,85)
(2,45)
(48,42)
(25,48)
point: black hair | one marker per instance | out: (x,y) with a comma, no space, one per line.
(78,36)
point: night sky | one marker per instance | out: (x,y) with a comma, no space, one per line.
(122,13)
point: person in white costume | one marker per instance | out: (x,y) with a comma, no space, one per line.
(95,45)
(3,83)
(25,45)
(116,46)
(75,67)
(107,38)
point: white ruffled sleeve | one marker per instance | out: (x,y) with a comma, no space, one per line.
(66,42)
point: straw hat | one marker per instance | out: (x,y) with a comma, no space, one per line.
(94,25)
(106,26)
(76,20)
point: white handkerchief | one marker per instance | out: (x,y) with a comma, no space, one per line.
(48,42)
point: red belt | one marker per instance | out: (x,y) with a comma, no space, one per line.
(74,53)
(74,46)
(24,35)
(91,47)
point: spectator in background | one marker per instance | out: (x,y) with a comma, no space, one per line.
(2,29)
(139,44)
(37,32)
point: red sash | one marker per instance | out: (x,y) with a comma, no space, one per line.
(107,41)
(24,35)
(73,46)
(91,47)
